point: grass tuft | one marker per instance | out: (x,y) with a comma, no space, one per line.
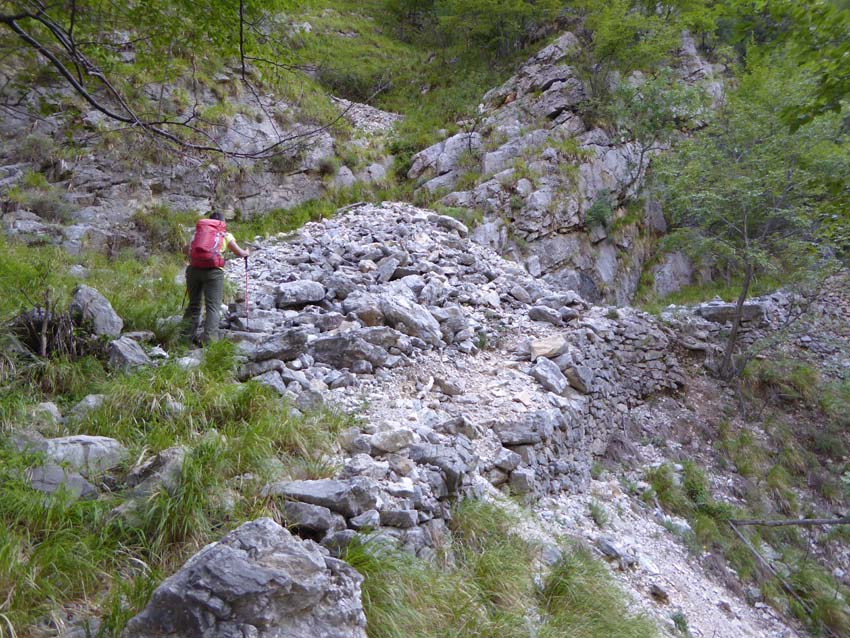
(582,601)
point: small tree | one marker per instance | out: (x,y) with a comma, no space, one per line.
(649,114)
(744,193)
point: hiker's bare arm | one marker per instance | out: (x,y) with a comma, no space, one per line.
(187,250)
(236,250)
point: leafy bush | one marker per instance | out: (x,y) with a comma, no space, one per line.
(164,230)
(42,199)
(37,148)
(34,179)
(601,211)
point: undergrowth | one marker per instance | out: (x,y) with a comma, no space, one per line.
(57,553)
(141,288)
(815,597)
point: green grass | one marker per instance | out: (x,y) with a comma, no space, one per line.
(599,514)
(582,601)
(142,289)
(483,586)
(55,552)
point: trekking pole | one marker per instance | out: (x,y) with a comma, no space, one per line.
(246,293)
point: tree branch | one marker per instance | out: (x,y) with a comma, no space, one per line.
(82,67)
(803,522)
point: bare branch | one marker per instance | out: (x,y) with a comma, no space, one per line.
(74,67)
(803,522)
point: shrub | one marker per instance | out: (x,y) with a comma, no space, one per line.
(598,514)
(44,200)
(37,148)
(601,211)
(34,179)
(328,166)
(164,230)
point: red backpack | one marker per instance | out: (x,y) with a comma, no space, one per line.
(206,248)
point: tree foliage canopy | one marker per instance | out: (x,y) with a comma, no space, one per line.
(748,195)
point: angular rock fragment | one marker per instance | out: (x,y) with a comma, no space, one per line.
(285,346)
(550,347)
(549,375)
(313,518)
(273,380)
(343,351)
(50,478)
(411,319)
(125,353)
(545,314)
(580,377)
(348,497)
(522,481)
(92,309)
(392,440)
(297,294)
(403,518)
(455,463)
(82,453)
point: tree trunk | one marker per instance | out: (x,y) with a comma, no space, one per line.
(728,370)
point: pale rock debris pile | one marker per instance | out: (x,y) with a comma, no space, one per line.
(467,367)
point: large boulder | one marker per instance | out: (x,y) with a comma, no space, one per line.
(91,309)
(83,453)
(258,581)
(284,346)
(50,478)
(344,351)
(722,312)
(549,375)
(411,318)
(296,294)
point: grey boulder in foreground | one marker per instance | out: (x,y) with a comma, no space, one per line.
(258,581)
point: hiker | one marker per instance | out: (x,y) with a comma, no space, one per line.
(205,276)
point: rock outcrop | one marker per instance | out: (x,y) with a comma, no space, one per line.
(543,168)
(90,199)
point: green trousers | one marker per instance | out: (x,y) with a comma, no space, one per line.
(209,283)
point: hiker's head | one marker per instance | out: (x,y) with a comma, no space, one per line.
(217,216)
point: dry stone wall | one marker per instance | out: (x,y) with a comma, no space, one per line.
(461,367)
